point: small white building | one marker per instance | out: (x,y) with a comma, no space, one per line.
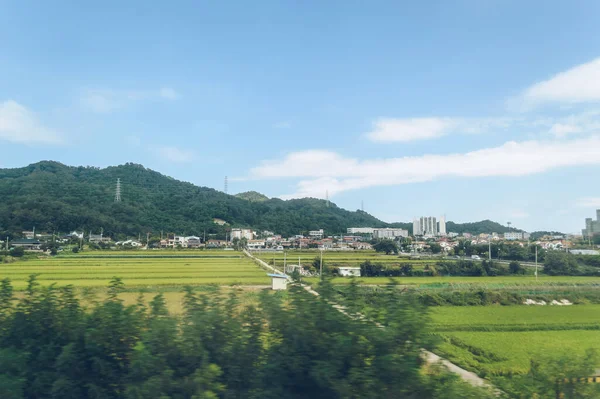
(349,271)
(248,234)
(278,281)
(316,233)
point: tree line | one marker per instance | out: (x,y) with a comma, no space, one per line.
(292,346)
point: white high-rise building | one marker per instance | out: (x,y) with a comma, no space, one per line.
(429,226)
(417,227)
(442,226)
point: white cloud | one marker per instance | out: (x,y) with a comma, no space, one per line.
(579,123)
(561,129)
(589,202)
(579,84)
(282,125)
(412,129)
(108,100)
(326,170)
(174,154)
(20,125)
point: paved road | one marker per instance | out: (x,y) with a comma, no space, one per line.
(430,357)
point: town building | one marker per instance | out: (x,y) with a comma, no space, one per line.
(360,230)
(316,233)
(256,244)
(28,244)
(96,238)
(592,227)
(391,233)
(513,235)
(248,234)
(442,226)
(429,226)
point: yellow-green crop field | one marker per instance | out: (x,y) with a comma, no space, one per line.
(342,258)
(147,272)
(494,340)
(466,281)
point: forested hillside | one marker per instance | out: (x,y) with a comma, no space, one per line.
(55,197)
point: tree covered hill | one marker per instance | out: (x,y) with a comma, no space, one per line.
(55,197)
(252,196)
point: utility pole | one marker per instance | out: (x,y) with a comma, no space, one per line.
(321,267)
(147,239)
(536,263)
(284,261)
(490,248)
(7,243)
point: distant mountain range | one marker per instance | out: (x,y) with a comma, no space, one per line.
(55,197)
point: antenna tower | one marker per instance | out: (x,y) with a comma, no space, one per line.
(327,197)
(118,191)
(362,206)
(226,185)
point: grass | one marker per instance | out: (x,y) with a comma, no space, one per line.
(137,272)
(345,258)
(515,318)
(494,340)
(502,353)
(491,282)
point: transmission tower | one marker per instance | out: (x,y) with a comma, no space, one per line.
(362,206)
(226,185)
(118,191)
(327,197)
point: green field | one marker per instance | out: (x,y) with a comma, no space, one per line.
(460,282)
(342,258)
(230,268)
(493,340)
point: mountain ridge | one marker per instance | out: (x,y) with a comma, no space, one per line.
(56,197)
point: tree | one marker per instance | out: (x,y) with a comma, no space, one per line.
(435,248)
(387,246)
(516,268)
(559,263)
(75,250)
(17,252)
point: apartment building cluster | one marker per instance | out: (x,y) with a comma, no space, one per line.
(592,227)
(429,226)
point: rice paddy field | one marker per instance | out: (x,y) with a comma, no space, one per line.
(495,341)
(469,282)
(139,270)
(342,258)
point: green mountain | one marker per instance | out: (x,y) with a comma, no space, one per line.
(55,197)
(484,226)
(252,196)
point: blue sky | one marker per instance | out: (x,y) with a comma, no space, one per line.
(472,109)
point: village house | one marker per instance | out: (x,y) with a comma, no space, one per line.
(28,244)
